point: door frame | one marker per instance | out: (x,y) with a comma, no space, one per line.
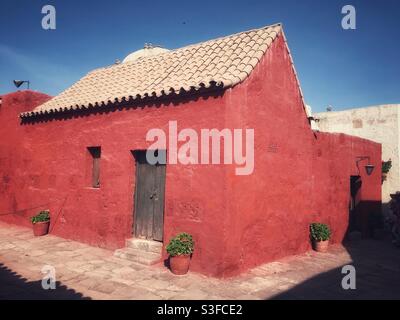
(134,224)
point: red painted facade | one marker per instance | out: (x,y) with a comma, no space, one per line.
(300,176)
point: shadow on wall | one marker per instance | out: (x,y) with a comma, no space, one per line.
(172,99)
(15,287)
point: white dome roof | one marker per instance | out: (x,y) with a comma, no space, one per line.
(147,51)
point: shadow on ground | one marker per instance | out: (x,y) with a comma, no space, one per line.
(377,265)
(376,262)
(15,287)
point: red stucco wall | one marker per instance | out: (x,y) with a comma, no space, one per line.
(300,176)
(51,169)
(237,221)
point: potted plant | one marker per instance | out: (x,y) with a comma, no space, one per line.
(386,166)
(320,235)
(180,249)
(41,223)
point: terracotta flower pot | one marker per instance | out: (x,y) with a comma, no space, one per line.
(179,264)
(41,228)
(320,246)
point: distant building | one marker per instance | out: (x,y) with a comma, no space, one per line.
(378,123)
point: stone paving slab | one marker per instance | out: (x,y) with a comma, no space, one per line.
(86,272)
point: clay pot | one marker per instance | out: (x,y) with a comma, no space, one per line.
(320,246)
(179,264)
(41,228)
(384,176)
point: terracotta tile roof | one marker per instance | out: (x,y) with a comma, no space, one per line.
(224,62)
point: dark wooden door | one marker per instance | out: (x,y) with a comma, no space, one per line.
(149,198)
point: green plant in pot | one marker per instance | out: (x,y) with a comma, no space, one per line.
(41,223)
(386,166)
(180,249)
(320,234)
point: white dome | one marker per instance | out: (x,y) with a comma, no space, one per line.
(147,51)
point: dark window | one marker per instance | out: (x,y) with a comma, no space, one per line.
(95,152)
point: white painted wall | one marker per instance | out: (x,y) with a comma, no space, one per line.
(378,123)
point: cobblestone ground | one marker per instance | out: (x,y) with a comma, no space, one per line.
(85,272)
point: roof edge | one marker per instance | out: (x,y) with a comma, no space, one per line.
(205,84)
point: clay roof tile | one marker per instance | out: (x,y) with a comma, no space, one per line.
(227,60)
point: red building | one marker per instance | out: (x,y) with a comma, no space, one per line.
(78,154)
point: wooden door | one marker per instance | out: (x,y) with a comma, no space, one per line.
(149,198)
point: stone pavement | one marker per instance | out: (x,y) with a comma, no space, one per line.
(85,272)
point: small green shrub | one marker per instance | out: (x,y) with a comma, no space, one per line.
(181,244)
(42,216)
(320,231)
(386,166)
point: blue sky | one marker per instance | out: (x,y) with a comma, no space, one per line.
(342,68)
